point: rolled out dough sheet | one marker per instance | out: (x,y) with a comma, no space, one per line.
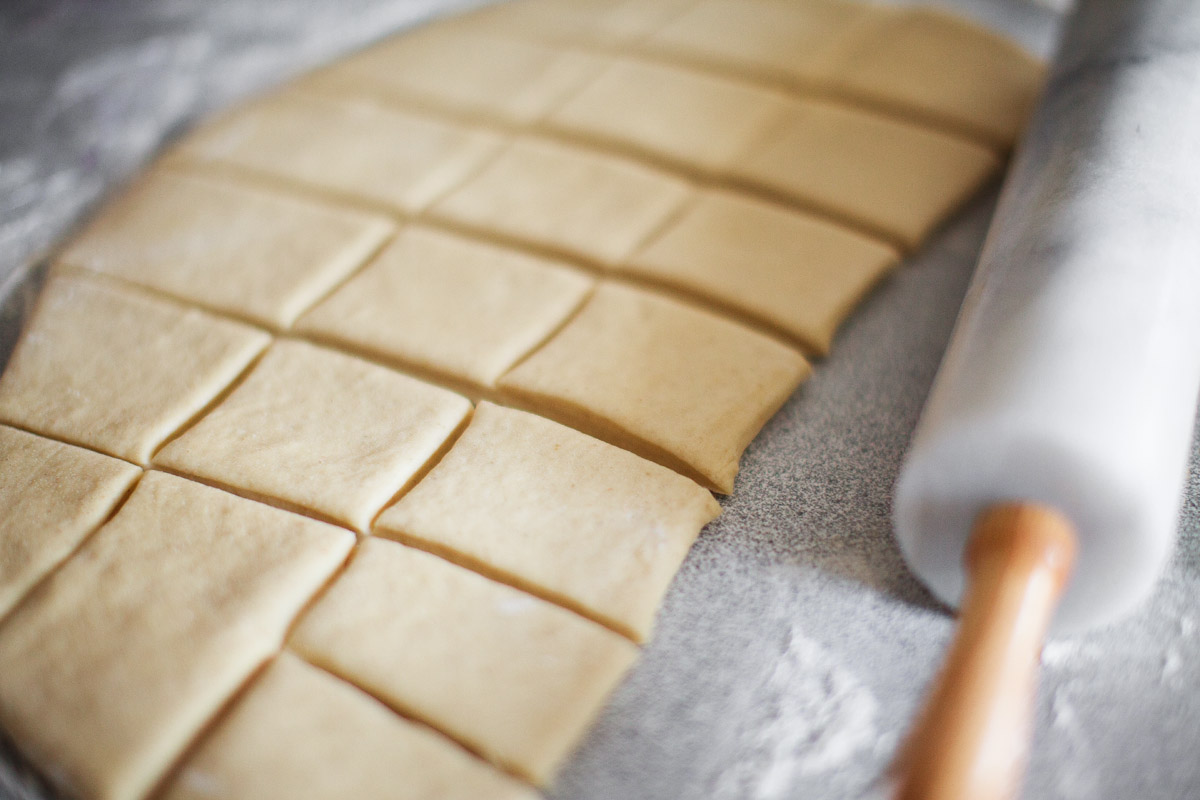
(263,255)
(320,430)
(117,370)
(677,383)
(514,677)
(550,509)
(118,659)
(299,732)
(460,309)
(52,496)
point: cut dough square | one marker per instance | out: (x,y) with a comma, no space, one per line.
(542,506)
(888,176)
(903,61)
(681,386)
(299,732)
(498,79)
(113,665)
(584,203)
(383,157)
(53,495)
(257,254)
(795,272)
(116,370)
(321,431)
(777,39)
(514,677)
(449,305)
(700,120)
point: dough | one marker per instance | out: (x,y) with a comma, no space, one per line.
(262,255)
(583,203)
(53,495)
(610,22)
(462,310)
(345,148)
(114,664)
(894,178)
(514,677)
(302,733)
(116,370)
(640,387)
(796,273)
(321,431)
(698,120)
(570,517)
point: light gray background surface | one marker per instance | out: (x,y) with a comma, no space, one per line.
(794,646)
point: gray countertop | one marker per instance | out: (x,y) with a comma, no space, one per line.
(794,646)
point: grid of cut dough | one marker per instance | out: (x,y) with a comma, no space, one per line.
(617,226)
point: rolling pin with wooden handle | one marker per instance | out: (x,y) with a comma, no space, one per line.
(1060,421)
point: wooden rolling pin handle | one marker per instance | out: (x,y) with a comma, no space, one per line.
(971,741)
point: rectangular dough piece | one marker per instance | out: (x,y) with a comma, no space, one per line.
(299,733)
(574,519)
(584,203)
(52,495)
(117,370)
(114,663)
(608,22)
(795,272)
(321,431)
(512,676)
(448,305)
(674,383)
(357,151)
(257,254)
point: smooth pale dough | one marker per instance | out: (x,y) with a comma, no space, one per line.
(52,496)
(894,177)
(901,62)
(450,306)
(500,79)
(584,203)
(787,41)
(346,148)
(797,273)
(611,22)
(677,383)
(320,430)
(545,507)
(299,733)
(116,370)
(262,255)
(702,121)
(516,678)
(114,664)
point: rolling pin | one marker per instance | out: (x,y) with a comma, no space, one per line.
(1041,489)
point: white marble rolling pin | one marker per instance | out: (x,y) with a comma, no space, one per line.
(1060,421)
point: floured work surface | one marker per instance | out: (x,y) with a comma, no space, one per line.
(675,220)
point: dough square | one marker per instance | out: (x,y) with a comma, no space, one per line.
(53,495)
(777,40)
(547,508)
(491,77)
(679,385)
(797,273)
(240,250)
(583,203)
(700,120)
(883,174)
(449,305)
(394,160)
(115,663)
(941,68)
(116,370)
(321,431)
(514,677)
(299,732)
